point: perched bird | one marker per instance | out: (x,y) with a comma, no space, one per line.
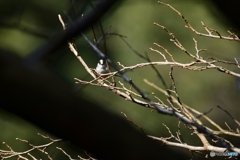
(102,67)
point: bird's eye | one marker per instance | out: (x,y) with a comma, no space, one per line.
(101,61)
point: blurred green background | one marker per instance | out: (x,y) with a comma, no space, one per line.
(134,19)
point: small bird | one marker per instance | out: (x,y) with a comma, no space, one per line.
(102,67)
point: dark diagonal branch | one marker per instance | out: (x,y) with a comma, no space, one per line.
(161,109)
(73,30)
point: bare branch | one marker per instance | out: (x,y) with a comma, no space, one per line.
(208,29)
